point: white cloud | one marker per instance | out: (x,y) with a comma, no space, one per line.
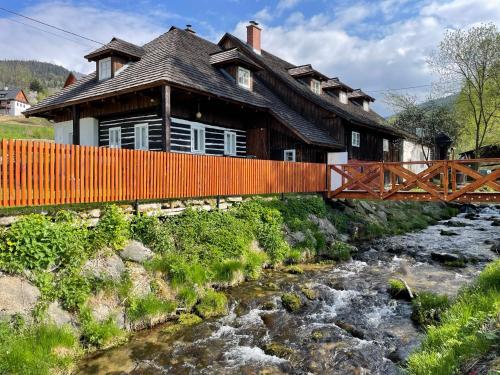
(286,4)
(391,55)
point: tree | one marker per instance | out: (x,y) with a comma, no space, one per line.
(423,121)
(35,85)
(472,58)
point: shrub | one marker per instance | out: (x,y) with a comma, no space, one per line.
(179,270)
(254,261)
(291,302)
(73,289)
(212,304)
(270,236)
(99,334)
(294,256)
(149,307)
(428,307)
(36,243)
(152,233)
(188,297)
(227,271)
(112,230)
(338,251)
(36,350)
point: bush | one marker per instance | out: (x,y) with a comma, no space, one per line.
(294,256)
(151,232)
(227,271)
(149,307)
(99,334)
(338,251)
(212,304)
(254,262)
(40,350)
(188,297)
(36,243)
(428,307)
(73,289)
(291,302)
(112,230)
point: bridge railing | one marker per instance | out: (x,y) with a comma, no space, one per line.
(434,180)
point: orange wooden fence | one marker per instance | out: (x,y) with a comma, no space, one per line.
(38,173)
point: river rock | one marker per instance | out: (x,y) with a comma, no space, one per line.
(105,305)
(448,233)
(325,227)
(8,220)
(455,224)
(495,246)
(355,332)
(136,252)
(141,282)
(496,222)
(108,267)
(17,296)
(57,315)
(471,216)
(445,257)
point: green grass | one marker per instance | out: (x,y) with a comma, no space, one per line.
(212,304)
(149,307)
(464,333)
(99,334)
(291,302)
(25,128)
(37,350)
(428,307)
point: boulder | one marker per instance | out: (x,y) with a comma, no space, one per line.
(496,222)
(6,221)
(104,305)
(17,296)
(495,247)
(141,282)
(325,227)
(108,267)
(448,233)
(57,315)
(455,224)
(95,213)
(445,257)
(136,252)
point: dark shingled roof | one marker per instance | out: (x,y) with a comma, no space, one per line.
(230,56)
(351,111)
(182,59)
(9,94)
(334,83)
(305,70)
(120,46)
(358,93)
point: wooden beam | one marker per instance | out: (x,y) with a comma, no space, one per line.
(76,125)
(165,115)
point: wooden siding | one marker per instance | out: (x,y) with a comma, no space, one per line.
(39,173)
(214,138)
(126,124)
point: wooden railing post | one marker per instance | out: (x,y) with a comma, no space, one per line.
(381,182)
(445,180)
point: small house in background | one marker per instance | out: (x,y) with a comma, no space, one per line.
(72,78)
(13,101)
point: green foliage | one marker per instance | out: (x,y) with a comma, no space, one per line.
(462,333)
(25,128)
(187,297)
(99,334)
(149,307)
(112,230)
(294,256)
(309,292)
(291,302)
(212,304)
(254,261)
(278,350)
(152,233)
(189,319)
(73,289)
(338,251)
(227,271)
(295,270)
(396,287)
(36,243)
(40,350)
(428,307)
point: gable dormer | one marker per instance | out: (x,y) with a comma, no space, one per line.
(236,65)
(337,88)
(308,76)
(113,57)
(361,98)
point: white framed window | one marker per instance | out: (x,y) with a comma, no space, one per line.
(316,86)
(343,97)
(244,78)
(115,137)
(105,68)
(366,105)
(229,143)
(355,139)
(197,139)
(141,137)
(385,145)
(289,155)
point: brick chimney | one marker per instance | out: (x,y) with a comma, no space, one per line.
(253,36)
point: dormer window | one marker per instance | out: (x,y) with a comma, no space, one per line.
(316,86)
(366,105)
(105,68)
(244,78)
(343,97)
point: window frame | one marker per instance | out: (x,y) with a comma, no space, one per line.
(355,139)
(141,146)
(385,142)
(119,130)
(366,105)
(228,150)
(316,86)
(343,97)
(101,62)
(293,154)
(201,136)
(247,85)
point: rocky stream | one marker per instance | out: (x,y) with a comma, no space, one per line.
(348,325)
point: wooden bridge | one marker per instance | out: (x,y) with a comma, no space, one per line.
(436,180)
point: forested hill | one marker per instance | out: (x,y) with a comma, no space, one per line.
(32,75)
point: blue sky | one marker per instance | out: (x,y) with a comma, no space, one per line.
(374,45)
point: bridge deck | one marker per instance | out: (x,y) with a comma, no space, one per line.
(436,180)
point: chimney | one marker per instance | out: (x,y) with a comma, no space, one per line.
(189,29)
(253,36)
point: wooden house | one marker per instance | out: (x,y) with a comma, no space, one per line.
(182,93)
(13,101)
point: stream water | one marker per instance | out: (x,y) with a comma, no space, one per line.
(353,327)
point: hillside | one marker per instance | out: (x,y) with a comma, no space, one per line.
(41,77)
(446,101)
(25,128)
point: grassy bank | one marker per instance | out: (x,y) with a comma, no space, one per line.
(195,256)
(468,329)
(19,127)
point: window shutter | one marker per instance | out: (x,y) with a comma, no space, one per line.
(137,138)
